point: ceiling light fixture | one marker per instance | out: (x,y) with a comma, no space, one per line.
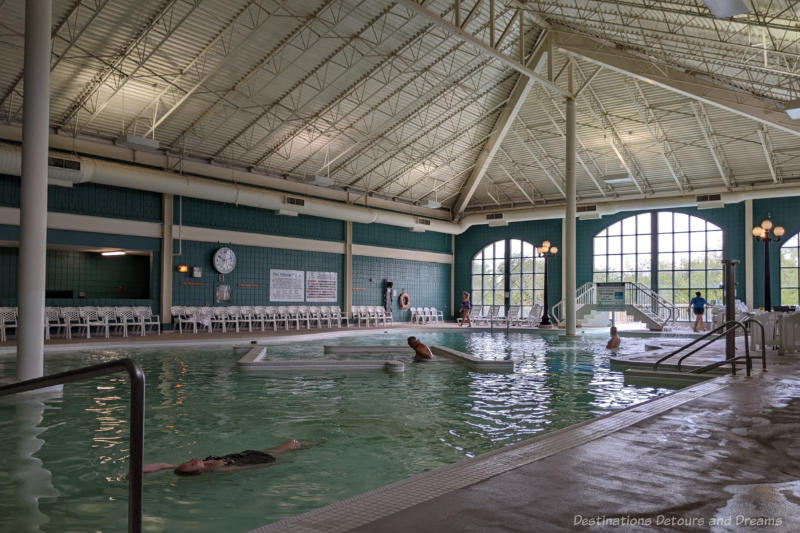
(793,109)
(117,252)
(623,177)
(322,181)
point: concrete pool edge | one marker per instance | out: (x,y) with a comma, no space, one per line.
(384,501)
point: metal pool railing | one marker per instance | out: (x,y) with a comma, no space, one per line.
(136,420)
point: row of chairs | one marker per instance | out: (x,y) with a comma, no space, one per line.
(228,318)
(487,315)
(426,315)
(86,320)
(370,313)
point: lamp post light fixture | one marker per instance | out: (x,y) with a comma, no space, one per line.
(768,232)
(546,251)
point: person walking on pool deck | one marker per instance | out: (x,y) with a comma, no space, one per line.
(613,343)
(466,308)
(698,305)
(421,351)
(245,460)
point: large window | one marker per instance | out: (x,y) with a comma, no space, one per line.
(687,254)
(525,272)
(790,271)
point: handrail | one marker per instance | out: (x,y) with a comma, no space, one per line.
(724,327)
(734,324)
(135,461)
(763,341)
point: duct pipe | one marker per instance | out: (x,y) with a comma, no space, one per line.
(132,177)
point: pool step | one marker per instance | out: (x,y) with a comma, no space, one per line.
(472,361)
(383,350)
(306,365)
(663,378)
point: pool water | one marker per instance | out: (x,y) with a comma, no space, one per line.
(367,429)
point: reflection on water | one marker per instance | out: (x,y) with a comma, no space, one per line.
(367,428)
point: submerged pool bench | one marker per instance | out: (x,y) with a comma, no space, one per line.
(486,365)
(253,360)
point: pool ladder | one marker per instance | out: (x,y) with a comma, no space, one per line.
(136,420)
(724,329)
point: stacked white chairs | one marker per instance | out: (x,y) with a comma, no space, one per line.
(147,319)
(315,315)
(111,316)
(8,320)
(91,316)
(769,338)
(336,314)
(437,314)
(359,316)
(52,321)
(789,326)
(513,315)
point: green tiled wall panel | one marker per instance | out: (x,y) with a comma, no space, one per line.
(730,218)
(100,278)
(208,214)
(534,232)
(395,237)
(428,284)
(785,212)
(252,267)
(91,199)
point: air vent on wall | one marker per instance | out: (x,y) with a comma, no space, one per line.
(293,200)
(588,212)
(709,201)
(586,208)
(494,216)
(423,221)
(63,172)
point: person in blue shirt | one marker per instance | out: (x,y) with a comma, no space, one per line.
(698,306)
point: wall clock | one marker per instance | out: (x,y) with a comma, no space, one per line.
(224,260)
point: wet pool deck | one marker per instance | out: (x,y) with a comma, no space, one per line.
(718,456)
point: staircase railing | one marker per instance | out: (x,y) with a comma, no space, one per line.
(584,295)
(135,460)
(717,334)
(658,308)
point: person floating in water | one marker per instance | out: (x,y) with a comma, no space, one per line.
(421,351)
(466,308)
(613,342)
(245,460)
(698,305)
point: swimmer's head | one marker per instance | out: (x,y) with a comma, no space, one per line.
(193,467)
(412,341)
(613,330)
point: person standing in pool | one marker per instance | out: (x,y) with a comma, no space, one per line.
(466,308)
(421,351)
(245,460)
(613,343)
(698,305)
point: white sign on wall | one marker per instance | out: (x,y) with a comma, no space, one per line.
(610,296)
(286,285)
(321,287)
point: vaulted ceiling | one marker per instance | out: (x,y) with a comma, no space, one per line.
(460,103)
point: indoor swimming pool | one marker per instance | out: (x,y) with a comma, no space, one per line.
(366,429)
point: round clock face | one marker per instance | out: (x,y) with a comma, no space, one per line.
(224,260)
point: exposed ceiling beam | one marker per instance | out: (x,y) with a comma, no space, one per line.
(766,144)
(538,161)
(713,143)
(515,182)
(605,54)
(504,122)
(481,46)
(659,136)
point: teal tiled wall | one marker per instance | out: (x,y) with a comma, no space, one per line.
(99,278)
(730,218)
(427,284)
(403,238)
(207,214)
(534,232)
(91,199)
(785,212)
(252,267)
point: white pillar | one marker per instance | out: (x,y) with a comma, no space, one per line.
(748,253)
(570,244)
(33,194)
(167,213)
(453,275)
(348,267)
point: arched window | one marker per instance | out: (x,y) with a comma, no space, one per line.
(515,259)
(686,251)
(790,271)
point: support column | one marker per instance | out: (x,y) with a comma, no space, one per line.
(570,244)
(748,253)
(33,193)
(348,267)
(453,276)
(167,269)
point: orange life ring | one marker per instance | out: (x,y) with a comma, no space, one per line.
(405,300)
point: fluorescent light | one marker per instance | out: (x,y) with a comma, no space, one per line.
(322,181)
(793,109)
(623,177)
(118,252)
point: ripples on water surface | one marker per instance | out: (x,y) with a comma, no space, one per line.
(369,428)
